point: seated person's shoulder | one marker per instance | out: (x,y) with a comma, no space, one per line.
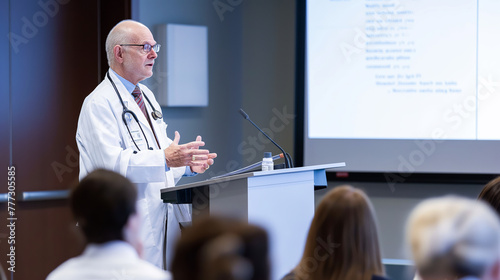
(147,271)
(78,269)
(64,271)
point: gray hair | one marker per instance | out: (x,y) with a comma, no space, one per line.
(117,35)
(453,236)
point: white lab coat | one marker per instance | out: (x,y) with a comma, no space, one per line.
(111,260)
(104,142)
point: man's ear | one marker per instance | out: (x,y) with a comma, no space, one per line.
(118,53)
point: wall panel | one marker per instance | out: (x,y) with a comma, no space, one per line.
(55,62)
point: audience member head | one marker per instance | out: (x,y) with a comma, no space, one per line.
(453,237)
(221,249)
(103,204)
(342,242)
(491,194)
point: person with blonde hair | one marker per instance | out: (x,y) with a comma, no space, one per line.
(454,238)
(343,241)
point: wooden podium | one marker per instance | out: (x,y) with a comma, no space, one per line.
(281,201)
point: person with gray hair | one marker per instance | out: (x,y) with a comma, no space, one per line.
(454,238)
(121,128)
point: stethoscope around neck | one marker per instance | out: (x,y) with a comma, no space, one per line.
(155,114)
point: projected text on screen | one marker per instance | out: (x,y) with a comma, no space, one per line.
(385,69)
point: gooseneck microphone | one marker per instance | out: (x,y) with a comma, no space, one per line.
(288,158)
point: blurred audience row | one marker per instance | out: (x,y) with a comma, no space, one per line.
(450,238)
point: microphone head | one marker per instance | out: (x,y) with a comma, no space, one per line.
(245,116)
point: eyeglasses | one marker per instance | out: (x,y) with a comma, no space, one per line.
(145,47)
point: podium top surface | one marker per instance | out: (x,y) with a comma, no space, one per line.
(254,174)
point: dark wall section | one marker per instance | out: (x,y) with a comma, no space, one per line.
(53,62)
(4,123)
(110,13)
(56,59)
(4,92)
(53,68)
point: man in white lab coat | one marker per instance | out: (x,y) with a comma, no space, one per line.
(117,132)
(110,229)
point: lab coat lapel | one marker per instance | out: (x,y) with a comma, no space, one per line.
(132,106)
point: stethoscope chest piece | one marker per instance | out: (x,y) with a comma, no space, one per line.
(156,114)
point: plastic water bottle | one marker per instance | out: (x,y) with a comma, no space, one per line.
(267,162)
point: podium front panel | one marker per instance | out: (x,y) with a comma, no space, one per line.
(284,205)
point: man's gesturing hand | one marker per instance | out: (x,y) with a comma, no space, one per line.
(188,154)
(205,162)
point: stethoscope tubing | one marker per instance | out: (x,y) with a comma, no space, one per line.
(155,114)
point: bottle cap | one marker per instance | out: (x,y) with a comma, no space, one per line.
(268,155)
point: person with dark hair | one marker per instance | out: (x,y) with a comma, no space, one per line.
(103,204)
(342,242)
(221,249)
(491,194)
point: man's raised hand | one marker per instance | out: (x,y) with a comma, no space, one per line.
(205,162)
(188,154)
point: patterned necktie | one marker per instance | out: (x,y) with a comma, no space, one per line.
(138,98)
(137,94)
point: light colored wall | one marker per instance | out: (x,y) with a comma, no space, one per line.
(218,123)
(268,68)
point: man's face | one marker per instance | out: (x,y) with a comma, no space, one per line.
(138,64)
